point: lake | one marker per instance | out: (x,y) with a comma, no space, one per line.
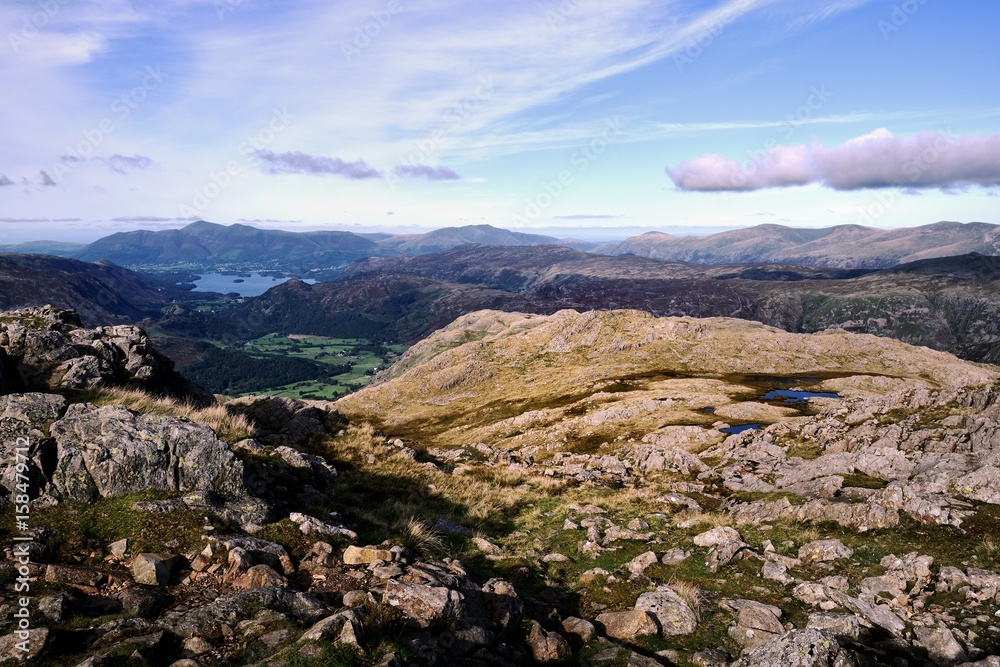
(253,285)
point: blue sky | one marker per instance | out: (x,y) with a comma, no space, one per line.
(573,117)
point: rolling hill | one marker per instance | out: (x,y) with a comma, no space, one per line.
(100,292)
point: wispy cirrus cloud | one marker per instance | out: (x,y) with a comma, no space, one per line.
(876,160)
(122,164)
(586,216)
(302,163)
(149,218)
(426,171)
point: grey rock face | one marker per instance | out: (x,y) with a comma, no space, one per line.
(207,621)
(23,418)
(798,648)
(424,605)
(111,452)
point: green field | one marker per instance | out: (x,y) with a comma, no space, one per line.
(364,357)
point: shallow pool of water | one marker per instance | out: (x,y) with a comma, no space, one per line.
(790,396)
(740,428)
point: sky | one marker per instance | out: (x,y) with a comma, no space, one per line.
(571,117)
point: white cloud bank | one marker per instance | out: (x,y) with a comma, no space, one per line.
(876,160)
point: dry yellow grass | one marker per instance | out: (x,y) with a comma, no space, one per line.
(228,425)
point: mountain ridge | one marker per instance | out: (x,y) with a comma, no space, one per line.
(845,246)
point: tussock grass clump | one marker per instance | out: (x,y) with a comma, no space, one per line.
(228,425)
(689,593)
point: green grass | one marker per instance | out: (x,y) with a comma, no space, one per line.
(88,528)
(363,357)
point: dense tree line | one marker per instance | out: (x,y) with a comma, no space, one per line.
(226,371)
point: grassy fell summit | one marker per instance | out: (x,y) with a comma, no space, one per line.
(497,373)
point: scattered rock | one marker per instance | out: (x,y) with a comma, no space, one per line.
(152,569)
(366,555)
(547,646)
(821,551)
(672,612)
(628,625)
(941,645)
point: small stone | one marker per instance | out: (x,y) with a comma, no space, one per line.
(118,549)
(366,555)
(555,558)
(672,612)
(842,625)
(35,642)
(711,657)
(274,638)
(639,564)
(675,557)
(577,630)
(486,546)
(53,607)
(451,528)
(820,551)
(197,645)
(715,536)
(152,569)
(628,625)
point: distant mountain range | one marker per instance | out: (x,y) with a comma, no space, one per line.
(848,246)
(205,245)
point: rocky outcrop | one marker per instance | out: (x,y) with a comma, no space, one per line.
(48,349)
(111,452)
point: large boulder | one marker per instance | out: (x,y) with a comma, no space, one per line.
(673,612)
(110,452)
(422,605)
